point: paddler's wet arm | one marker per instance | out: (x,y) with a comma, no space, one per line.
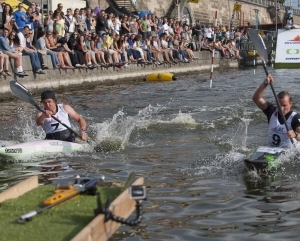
(258,95)
(40,118)
(82,123)
(76,117)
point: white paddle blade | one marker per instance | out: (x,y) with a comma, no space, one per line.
(259,44)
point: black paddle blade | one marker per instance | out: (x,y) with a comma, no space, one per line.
(259,44)
(20,91)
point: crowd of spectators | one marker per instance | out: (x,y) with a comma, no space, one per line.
(85,38)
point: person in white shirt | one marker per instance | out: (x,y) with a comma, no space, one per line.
(117,24)
(70,21)
(81,20)
(49,22)
(34,58)
(53,128)
(165,47)
(231,34)
(149,23)
(208,32)
(166,26)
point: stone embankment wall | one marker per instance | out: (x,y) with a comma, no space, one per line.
(59,79)
(205,10)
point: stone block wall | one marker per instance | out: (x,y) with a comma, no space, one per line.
(205,11)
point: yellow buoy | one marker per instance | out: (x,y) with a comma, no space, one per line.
(160,77)
(251,53)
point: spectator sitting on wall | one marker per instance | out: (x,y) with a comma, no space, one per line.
(13,54)
(205,46)
(74,57)
(29,44)
(41,46)
(4,62)
(34,58)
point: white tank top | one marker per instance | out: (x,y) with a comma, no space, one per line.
(51,126)
(50,25)
(278,133)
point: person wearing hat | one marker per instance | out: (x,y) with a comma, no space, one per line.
(55,130)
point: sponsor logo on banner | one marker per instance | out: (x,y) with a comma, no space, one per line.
(288,46)
(295,40)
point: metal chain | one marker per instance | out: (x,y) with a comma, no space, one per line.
(110,216)
(139,216)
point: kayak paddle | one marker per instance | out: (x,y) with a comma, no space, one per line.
(20,91)
(261,48)
(84,185)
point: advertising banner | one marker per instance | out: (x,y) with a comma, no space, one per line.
(288,46)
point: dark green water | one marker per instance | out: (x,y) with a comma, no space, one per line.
(188,141)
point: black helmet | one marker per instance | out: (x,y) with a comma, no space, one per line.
(48,94)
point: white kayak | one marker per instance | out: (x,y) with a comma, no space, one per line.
(42,148)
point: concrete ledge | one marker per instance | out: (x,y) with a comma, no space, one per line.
(59,79)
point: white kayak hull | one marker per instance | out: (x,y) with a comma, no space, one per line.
(42,148)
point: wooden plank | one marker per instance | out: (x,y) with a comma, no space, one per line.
(100,230)
(19,189)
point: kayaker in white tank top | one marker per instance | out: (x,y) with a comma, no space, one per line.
(55,129)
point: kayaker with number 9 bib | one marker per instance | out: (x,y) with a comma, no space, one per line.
(278,135)
(53,129)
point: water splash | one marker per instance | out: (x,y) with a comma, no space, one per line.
(30,131)
(114,135)
(184,118)
(239,139)
(231,162)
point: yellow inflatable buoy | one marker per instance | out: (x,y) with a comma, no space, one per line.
(160,77)
(251,53)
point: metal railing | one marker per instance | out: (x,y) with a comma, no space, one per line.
(248,45)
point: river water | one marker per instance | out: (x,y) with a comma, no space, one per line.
(188,141)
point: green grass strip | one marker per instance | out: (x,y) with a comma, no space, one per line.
(61,222)
(287,65)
